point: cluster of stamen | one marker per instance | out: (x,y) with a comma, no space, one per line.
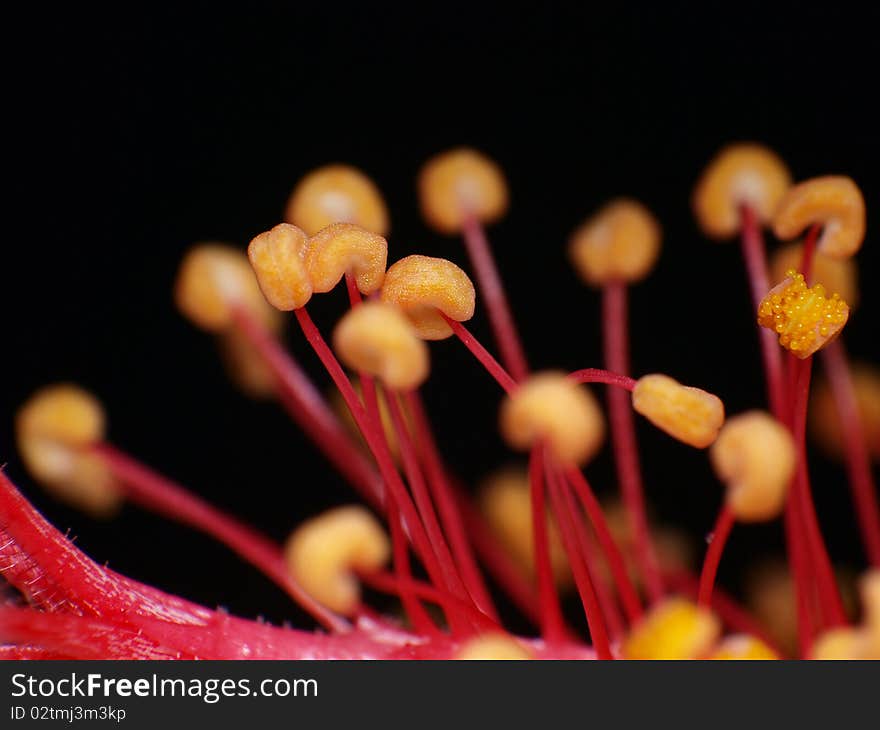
(538,532)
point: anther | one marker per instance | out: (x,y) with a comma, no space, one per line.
(691,415)
(743,647)
(423,287)
(461,183)
(673,629)
(803,317)
(833,201)
(278,260)
(619,243)
(755,456)
(337,194)
(343,248)
(550,407)
(325,553)
(505,501)
(212,281)
(55,430)
(741,174)
(495,647)
(377,339)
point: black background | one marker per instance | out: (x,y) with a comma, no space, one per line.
(134,136)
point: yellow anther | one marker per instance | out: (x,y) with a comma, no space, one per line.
(458,183)
(620,243)
(324,553)
(423,287)
(803,317)
(754,456)
(54,430)
(836,203)
(741,174)
(844,643)
(343,248)
(212,280)
(825,423)
(377,339)
(505,501)
(870,591)
(551,408)
(836,275)
(492,647)
(278,259)
(743,646)
(860,642)
(673,629)
(691,415)
(245,365)
(337,194)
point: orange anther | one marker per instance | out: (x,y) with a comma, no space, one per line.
(337,194)
(551,408)
(619,243)
(377,339)
(741,174)
(836,203)
(459,183)
(343,248)
(278,259)
(423,287)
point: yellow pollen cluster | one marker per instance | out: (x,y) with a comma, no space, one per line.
(803,317)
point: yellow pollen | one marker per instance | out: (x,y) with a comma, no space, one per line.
(804,317)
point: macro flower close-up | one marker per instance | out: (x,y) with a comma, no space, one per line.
(472,380)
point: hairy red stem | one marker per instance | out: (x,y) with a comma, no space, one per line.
(597,375)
